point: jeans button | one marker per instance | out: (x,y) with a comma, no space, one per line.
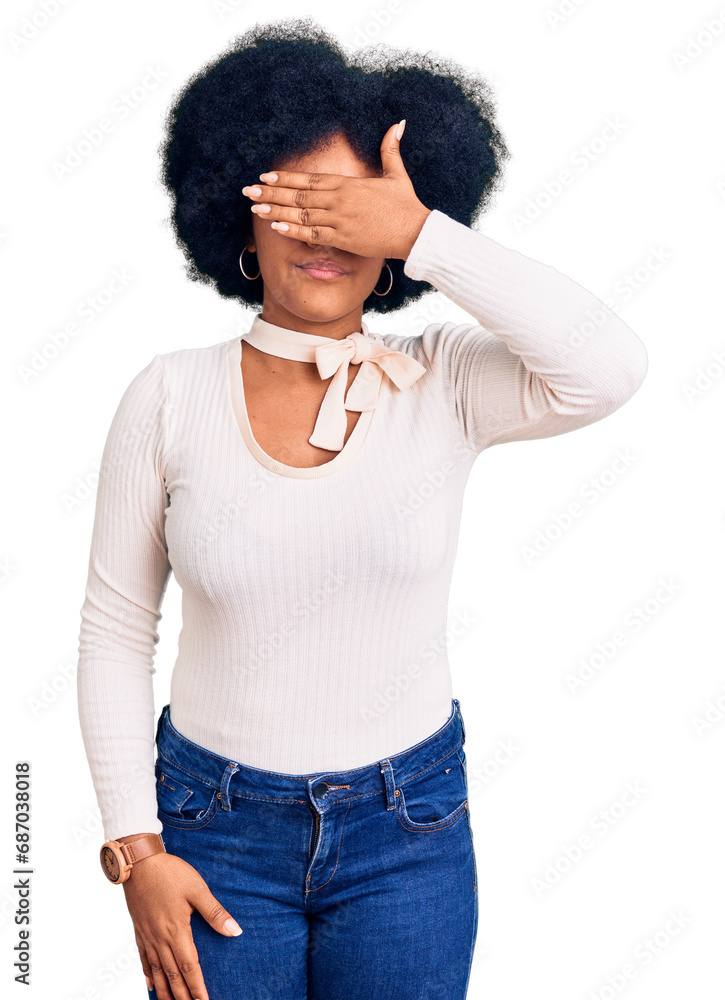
(320,789)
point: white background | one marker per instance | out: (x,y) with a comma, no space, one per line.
(650,205)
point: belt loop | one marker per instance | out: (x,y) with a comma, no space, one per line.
(231,769)
(457,703)
(387,772)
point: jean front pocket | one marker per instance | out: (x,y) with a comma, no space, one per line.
(184,800)
(436,797)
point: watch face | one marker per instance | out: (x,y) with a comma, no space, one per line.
(110,864)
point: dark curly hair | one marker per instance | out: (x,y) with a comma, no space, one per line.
(283,88)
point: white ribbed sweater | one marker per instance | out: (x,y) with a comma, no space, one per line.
(313,599)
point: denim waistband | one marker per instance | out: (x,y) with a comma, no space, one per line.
(234,778)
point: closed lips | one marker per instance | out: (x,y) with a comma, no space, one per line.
(324,265)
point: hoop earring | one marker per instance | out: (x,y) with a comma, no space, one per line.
(391,281)
(241,255)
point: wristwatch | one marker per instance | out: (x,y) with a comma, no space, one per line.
(118,859)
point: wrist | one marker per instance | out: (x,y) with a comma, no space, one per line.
(131,837)
(118,857)
(417,220)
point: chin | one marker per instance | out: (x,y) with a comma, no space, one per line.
(320,308)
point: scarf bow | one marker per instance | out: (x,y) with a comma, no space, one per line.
(375,359)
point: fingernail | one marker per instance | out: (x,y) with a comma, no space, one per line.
(149,983)
(254,191)
(232,926)
(279,225)
(261,209)
(268,177)
(400,129)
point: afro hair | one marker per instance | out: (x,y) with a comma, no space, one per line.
(282,89)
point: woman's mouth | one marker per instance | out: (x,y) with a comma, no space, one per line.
(322,269)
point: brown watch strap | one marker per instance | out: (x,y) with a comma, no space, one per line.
(143,847)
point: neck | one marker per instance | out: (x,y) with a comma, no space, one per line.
(288,370)
(338,328)
(280,370)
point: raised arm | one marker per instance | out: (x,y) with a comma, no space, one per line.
(127,577)
(547,357)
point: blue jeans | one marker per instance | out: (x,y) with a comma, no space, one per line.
(348,885)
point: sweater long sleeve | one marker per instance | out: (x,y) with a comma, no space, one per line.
(282,569)
(127,577)
(547,357)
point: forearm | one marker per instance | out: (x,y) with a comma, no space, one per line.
(584,352)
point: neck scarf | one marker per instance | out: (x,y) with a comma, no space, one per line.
(333,357)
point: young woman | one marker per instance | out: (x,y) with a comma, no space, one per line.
(307,780)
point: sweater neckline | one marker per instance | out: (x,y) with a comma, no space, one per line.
(236,389)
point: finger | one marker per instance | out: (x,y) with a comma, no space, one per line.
(310,217)
(187,960)
(217,916)
(297,179)
(298,197)
(161,983)
(390,151)
(323,235)
(145,963)
(174,977)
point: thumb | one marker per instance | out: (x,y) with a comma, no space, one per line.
(214,913)
(390,150)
